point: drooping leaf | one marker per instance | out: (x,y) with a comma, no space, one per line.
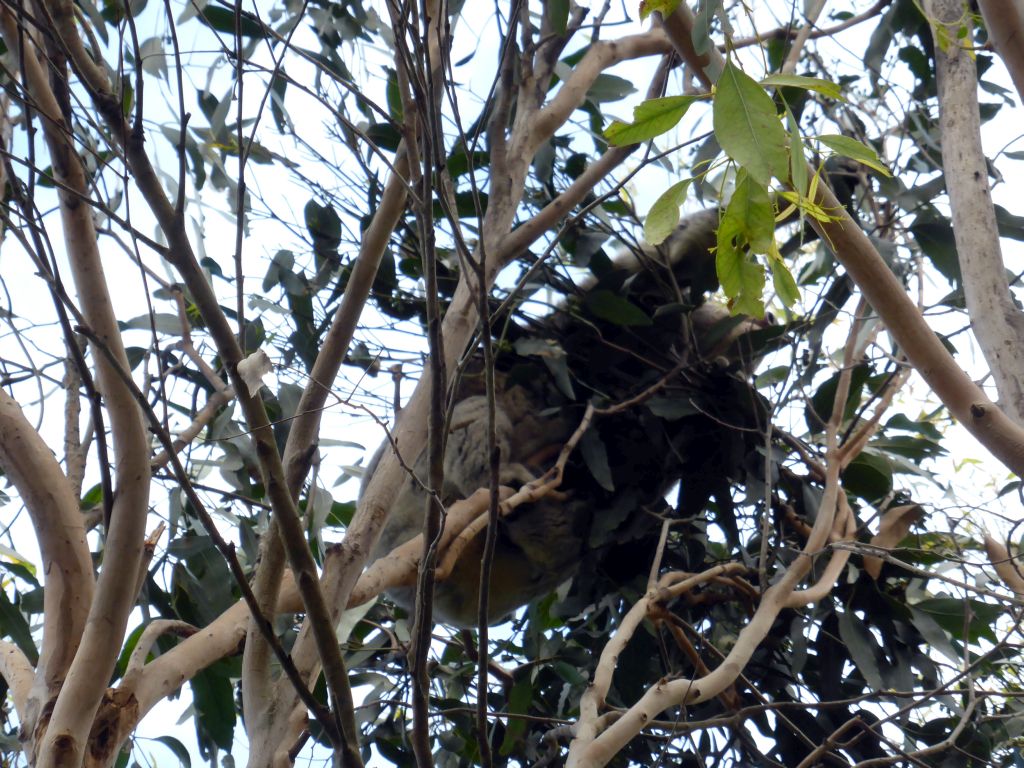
(14,626)
(855,150)
(862,647)
(797,161)
(825,87)
(610,88)
(223,20)
(595,455)
(748,127)
(663,217)
(179,750)
(742,280)
(651,118)
(892,529)
(615,309)
(868,476)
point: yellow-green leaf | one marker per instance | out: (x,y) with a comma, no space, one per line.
(749,219)
(742,280)
(853,149)
(824,87)
(785,285)
(747,126)
(664,7)
(651,118)
(797,161)
(664,214)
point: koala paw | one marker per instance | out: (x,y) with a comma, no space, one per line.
(515,475)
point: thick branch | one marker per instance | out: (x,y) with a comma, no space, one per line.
(966,400)
(998,323)
(93,663)
(598,58)
(53,509)
(182,256)
(17,672)
(1004,22)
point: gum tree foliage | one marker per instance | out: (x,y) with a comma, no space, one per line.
(347,188)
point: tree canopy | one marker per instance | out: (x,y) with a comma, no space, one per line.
(703,303)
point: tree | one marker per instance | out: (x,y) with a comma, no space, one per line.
(803,600)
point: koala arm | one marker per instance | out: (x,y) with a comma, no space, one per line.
(466,458)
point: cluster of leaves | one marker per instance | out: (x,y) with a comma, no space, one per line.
(876,642)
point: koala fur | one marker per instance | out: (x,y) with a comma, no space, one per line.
(627,462)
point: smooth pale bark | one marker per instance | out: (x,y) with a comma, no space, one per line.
(57,520)
(997,322)
(60,739)
(1004,22)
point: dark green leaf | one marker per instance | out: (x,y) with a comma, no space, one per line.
(615,309)
(862,647)
(557,12)
(14,626)
(595,455)
(868,476)
(179,750)
(223,20)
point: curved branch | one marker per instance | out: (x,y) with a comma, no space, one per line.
(599,57)
(17,672)
(1004,22)
(182,257)
(93,662)
(966,400)
(153,631)
(60,534)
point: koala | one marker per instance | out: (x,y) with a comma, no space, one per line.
(694,358)
(537,546)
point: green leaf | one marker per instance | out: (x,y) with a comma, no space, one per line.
(161,322)
(853,149)
(615,309)
(824,87)
(519,700)
(213,698)
(931,631)
(742,280)
(672,408)
(749,220)
(223,20)
(324,224)
(610,88)
(278,86)
(595,456)
(747,126)
(179,750)
(393,94)
(747,224)
(651,118)
(557,13)
(862,647)
(953,614)
(868,476)
(153,57)
(784,284)
(797,159)
(14,626)
(663,217)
